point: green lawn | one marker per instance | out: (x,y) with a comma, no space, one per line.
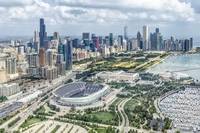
(100,130)
(30,121)
(41,110)
(131,104)
(104,116)
(55,129)
(116,102)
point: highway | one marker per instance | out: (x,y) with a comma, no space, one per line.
(24,113)
(124,127)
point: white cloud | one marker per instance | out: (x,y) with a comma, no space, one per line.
(100,11)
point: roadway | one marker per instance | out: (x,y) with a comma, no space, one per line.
(124,127)
(24,113)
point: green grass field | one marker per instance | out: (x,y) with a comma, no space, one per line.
(116,102)
(131,104)
(104,116)
(30,121)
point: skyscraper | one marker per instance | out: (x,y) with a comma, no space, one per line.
(56,36)
(145,37)
(42,57)
(120,40)
(156,40)
(36,41)
(43,33)
(11,65)
(33,60)
(191,43)
(68,54)
(95,41)
(49,57)
(125,33)
(139,40)
(86,40)
(111,39)
(186,46)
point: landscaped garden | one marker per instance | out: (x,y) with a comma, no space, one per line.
(32,120)
(104,117)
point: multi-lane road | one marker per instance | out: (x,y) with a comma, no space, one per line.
(24,113)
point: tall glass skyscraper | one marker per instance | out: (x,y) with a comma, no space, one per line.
(68,54)
(43,33)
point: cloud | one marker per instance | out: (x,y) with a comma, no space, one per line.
(109,11)
(110,14)
(13,3)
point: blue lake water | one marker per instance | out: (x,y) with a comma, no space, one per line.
(180,62)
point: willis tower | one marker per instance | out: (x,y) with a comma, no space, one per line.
(43,33)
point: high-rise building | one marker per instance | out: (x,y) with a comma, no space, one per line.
(145,38)
(139,40)
(49,57)
(120,40)
(36,37)
(76,43)
(33,60)
(56,36)
(95,41)
(186,46)
(59,59)
(36,41)
(43,33)
(42,57)
(191,43)
(11,65)
(51,73)
(86,36)
(111,42)
(156,40)
(100,40)
(68,54)
(86,40)
(125,33)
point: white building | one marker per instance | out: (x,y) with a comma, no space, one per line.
(118,76)
(146,37)
(30,97)
(9,89)
(11,65)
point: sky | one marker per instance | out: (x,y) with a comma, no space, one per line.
(180,18)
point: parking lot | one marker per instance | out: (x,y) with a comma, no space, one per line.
(49,126)
(183,108)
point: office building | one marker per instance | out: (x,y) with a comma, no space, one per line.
(43,33)
(111,43)
(139,40)
(33,60)
(145,38)
(9,89)
(156,40)
(68,54)
(11,65)
(86,40)
(36,41)
(120,40)
(51,73)
(42,57)
(125,33)
(49,57)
